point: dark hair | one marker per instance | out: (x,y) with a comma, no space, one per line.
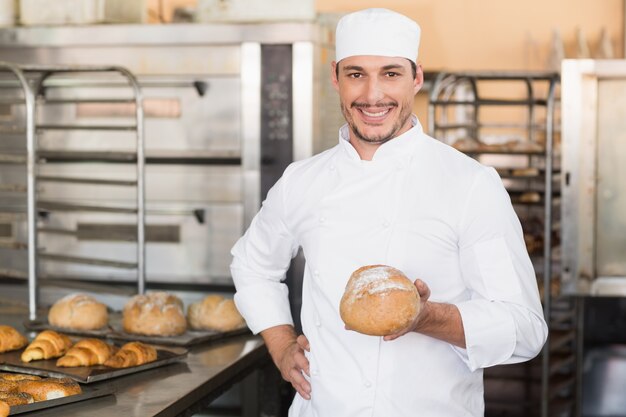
(413,69)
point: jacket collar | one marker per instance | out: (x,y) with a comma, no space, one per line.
(397,147)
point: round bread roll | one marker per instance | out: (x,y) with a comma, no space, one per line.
(215,313)
(155,314)
(50,388)
(379,300)
(16,398)
(80,312)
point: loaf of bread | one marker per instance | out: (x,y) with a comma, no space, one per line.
(155,314)
(379,300)
(50,388)
(215,312)
(47,345)
(78,312)
(87,352)
(11,339)
(4,409)
(132,354)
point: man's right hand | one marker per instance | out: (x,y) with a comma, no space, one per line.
(287,352)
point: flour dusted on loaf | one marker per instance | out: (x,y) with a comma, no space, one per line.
(79,312)
(215,312)
(379,300)
(155,314)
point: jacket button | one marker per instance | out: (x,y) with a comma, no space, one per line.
(386,223)
(322,219)
(367,384)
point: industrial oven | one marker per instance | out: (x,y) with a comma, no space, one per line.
(594,180)
(227,107)
(594,224)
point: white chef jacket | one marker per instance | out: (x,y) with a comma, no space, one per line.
(419,206)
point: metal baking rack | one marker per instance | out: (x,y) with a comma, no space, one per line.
(27,89)
(507,120)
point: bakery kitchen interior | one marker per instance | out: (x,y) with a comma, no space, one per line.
(139,140)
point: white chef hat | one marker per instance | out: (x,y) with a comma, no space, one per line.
(379,32)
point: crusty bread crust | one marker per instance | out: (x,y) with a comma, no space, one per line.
(79,312)
(155,314)
(215,312)
(379,300)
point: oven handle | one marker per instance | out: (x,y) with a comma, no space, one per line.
(199,214)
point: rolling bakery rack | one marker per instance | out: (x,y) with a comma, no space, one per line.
(33,97)
(507,120)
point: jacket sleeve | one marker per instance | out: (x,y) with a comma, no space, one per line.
(260,261)
(503,319)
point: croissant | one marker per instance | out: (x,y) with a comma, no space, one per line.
(50,388)
(132,354)
(11,339)
(4,409)
(48,344)
(87,352)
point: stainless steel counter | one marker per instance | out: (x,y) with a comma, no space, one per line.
(177,389)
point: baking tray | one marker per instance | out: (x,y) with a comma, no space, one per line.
(10,361)
(88,393)
(115,331)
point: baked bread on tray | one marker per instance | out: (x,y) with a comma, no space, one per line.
(21,389)
(214,312)
(87,352)
(11,339)
(78,312)
(132,354)
(154,314)
(50,388)
(46,345)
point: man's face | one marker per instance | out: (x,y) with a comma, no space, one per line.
(376,95)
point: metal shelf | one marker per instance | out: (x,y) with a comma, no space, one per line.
(86,261)
(526,141)
(35,81)
(61,206)
(94,181)
(130,128)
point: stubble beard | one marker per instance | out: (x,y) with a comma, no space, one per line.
(405,114)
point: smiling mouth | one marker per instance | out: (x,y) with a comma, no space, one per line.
(375,114)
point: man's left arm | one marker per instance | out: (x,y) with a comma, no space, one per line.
(503,318)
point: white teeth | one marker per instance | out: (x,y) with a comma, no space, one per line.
(381,113)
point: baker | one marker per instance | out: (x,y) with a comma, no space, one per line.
(389,194)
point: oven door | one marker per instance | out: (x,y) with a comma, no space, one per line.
(194,215)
